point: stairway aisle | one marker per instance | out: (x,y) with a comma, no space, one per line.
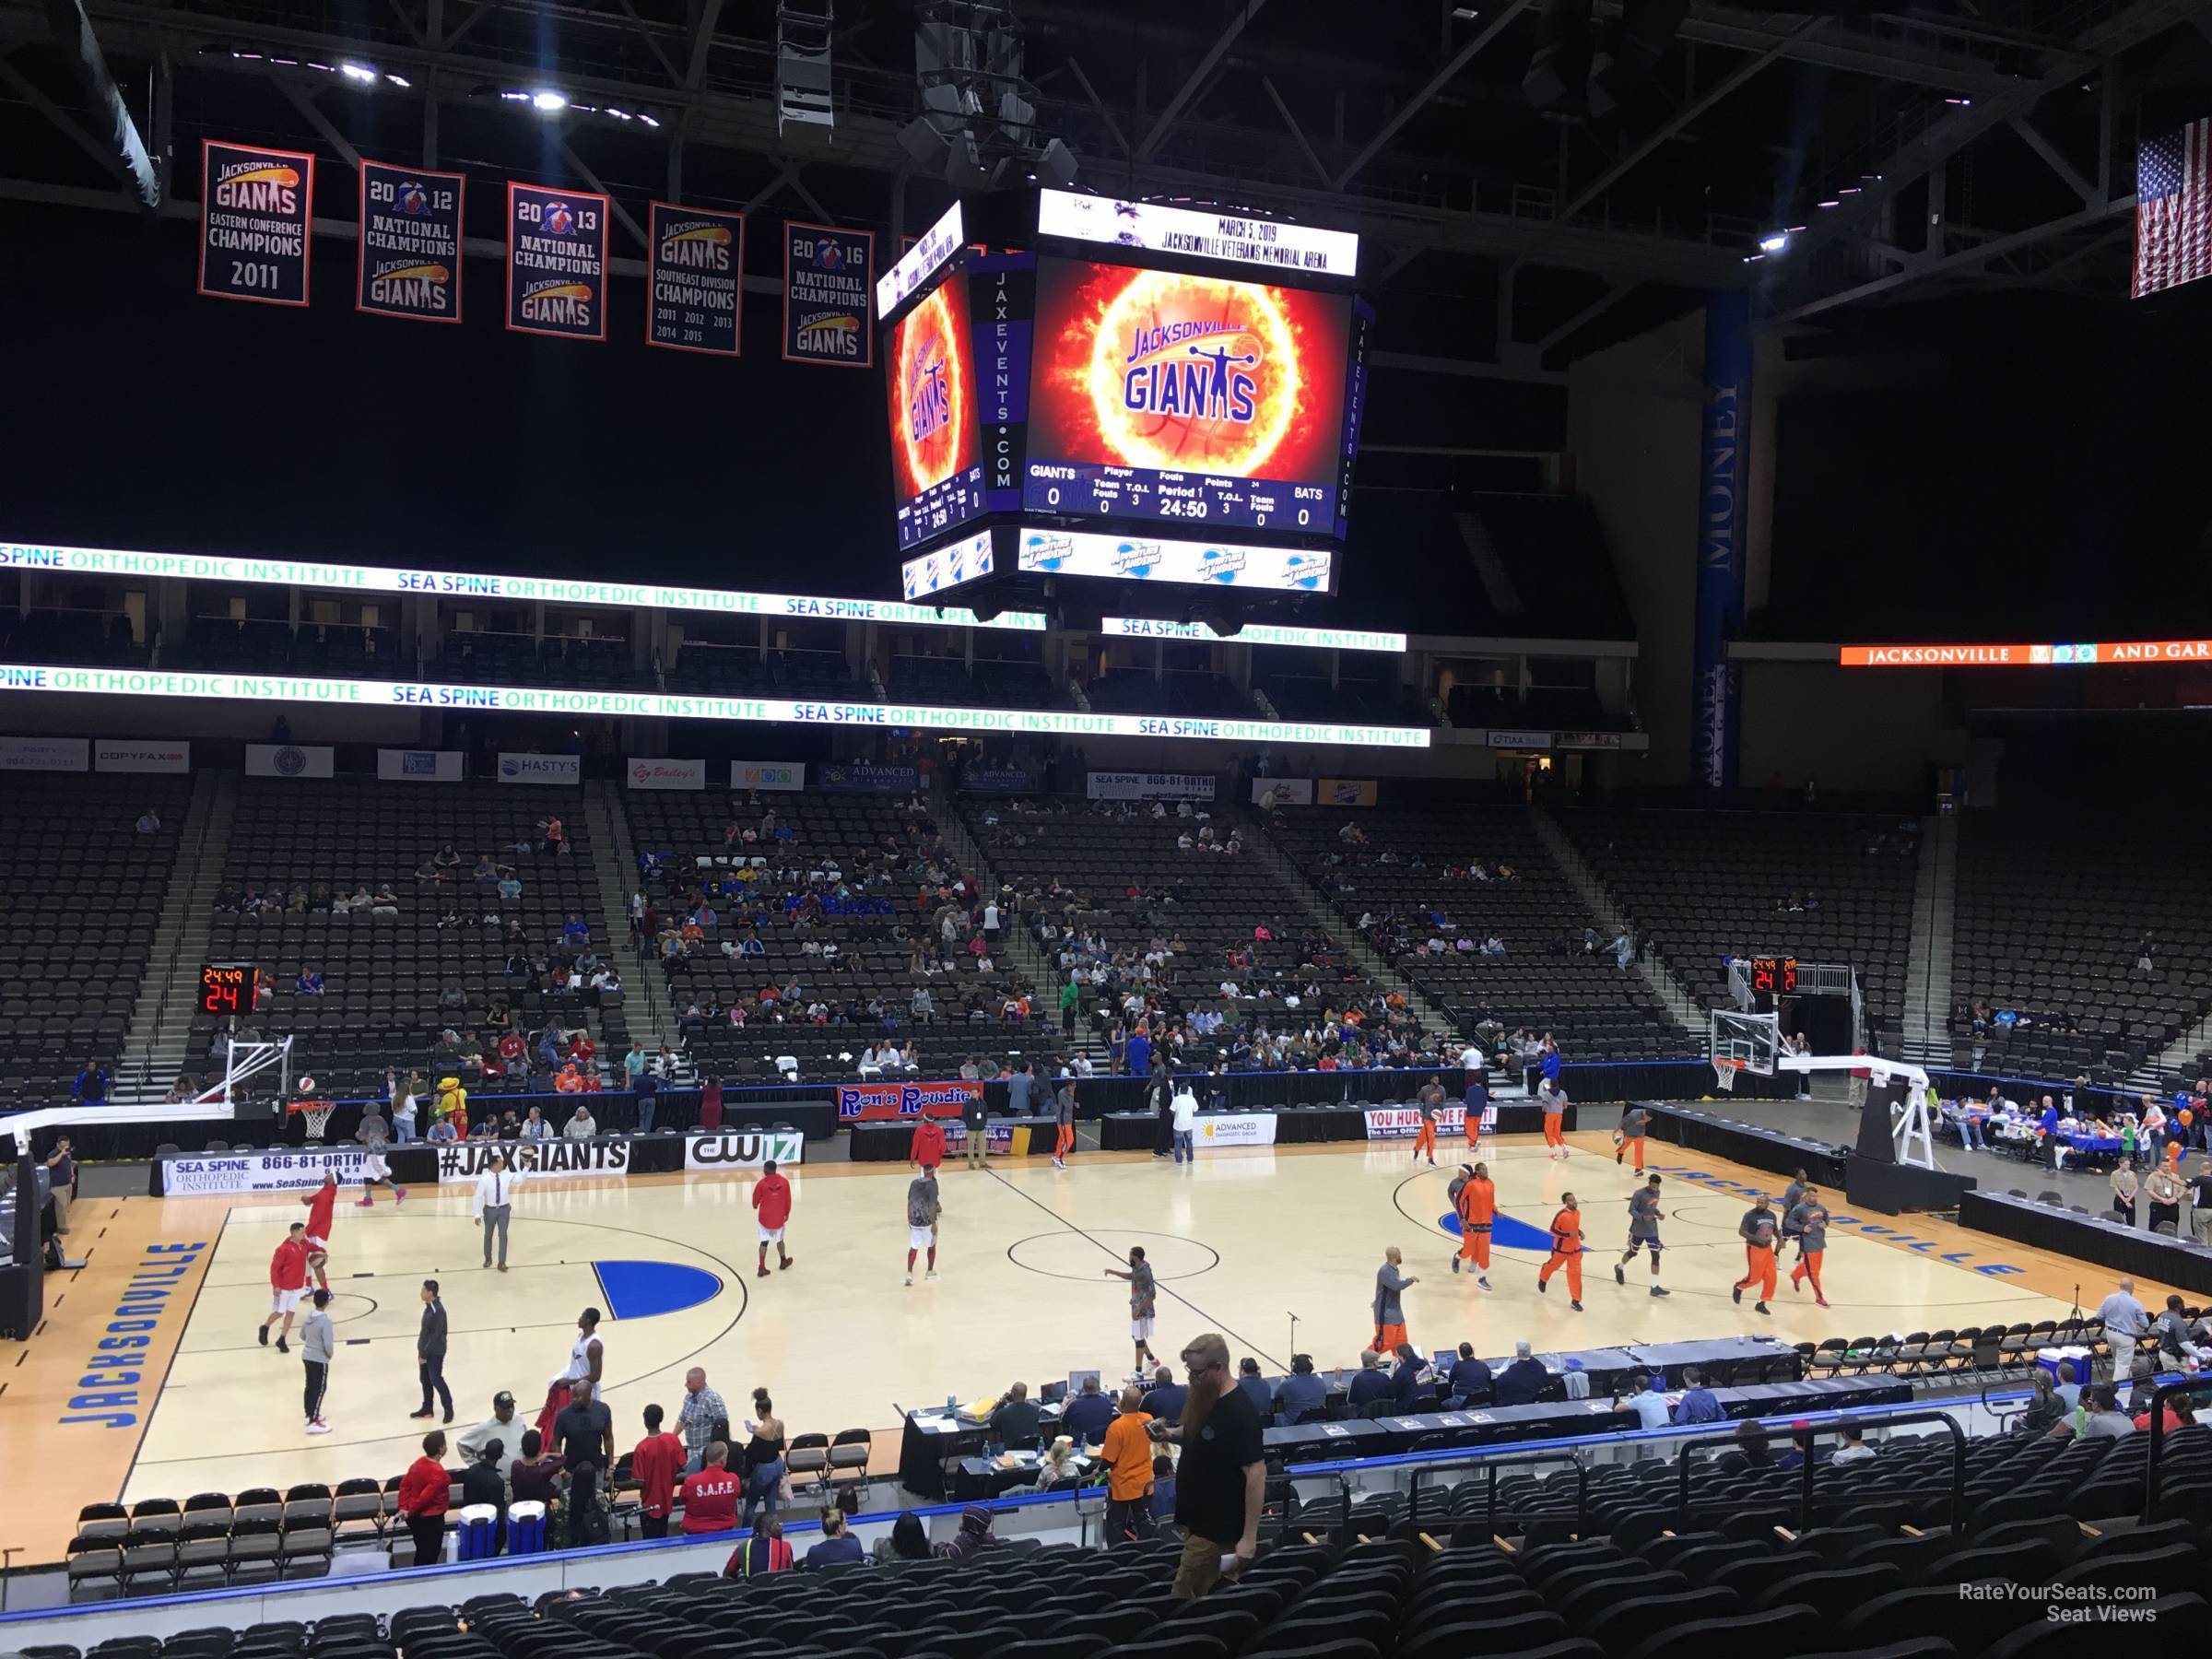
(645,1004)
(1655,973)
(156,1044)
(1926,1036)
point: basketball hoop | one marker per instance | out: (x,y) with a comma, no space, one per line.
(316,1114)
(1724,1073)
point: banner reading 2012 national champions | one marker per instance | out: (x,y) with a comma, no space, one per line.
(827,277)
(411,250)
(556,261)
(256,207)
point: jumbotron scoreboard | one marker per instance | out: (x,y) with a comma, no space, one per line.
(1080,389)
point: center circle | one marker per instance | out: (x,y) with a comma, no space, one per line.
(1077,1256)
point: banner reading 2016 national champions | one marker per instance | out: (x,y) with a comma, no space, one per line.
(256,207)
(411,249)
(556,261)
(827,277)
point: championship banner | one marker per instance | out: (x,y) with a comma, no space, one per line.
(783,776)
(546,1160)
(875,1100)
(732,1151)
(43,754)
(1235,1129)
(695,273)
(289,761)
(518,767)
(666,774)
(1147,786)
(110,756)
(1403,1122)
(256,207)
(420,766)
(1345,792)
(409,264)
(1288,792)
(273,1172)
(827,275)
(556,261)
(860,777)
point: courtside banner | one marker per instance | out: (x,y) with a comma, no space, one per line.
(827,275)
(556,261)
(545,1159)
(420,766)
(872,1101)
(410,249)
(45,753)
(1147,786)
(255,207)
(1403,1122)
(222,686)
(783,776)
(289,760)
(518,767)
(111,755)
(694,268)
(259,1172)
(1235,1129)
(727,1151)
(664,774)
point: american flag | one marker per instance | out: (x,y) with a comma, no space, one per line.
(2173,209)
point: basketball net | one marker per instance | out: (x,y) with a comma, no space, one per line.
(316,1114)
(1723,1074)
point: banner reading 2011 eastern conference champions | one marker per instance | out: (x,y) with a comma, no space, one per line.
(256,207)
(827,277)
(410,254)
(556,261)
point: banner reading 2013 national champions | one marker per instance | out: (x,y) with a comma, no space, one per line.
(556,261)
(410,249)
(256,207)
(827,277)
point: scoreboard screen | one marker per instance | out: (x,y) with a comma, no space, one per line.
(936,466)
(1203,401)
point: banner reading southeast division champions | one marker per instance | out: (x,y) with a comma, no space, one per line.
(556,263)
(255,207)
(695,277)
(411,250)
(827,275)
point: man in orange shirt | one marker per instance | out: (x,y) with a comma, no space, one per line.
(1477,1207)
(1127,1450)
(1566,1251)
(654,1463)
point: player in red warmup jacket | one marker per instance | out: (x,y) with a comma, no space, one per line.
(287,1279)
(771,1200)
(320,1204)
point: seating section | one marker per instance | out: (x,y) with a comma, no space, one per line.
(948,682)
(1409,868)
(262,646)
(831,905)
(593,665)
(1821,887)
(92,639)
(736,670)
(80,893)
(1554,707)
(393,983)
(1136,691)
(2051,919)
(1381,701)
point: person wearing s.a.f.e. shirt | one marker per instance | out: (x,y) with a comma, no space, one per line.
(709,1493)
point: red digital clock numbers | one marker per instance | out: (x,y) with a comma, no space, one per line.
(1777,976)
(226,988)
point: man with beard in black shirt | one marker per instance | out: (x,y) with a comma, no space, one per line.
(1222,1478)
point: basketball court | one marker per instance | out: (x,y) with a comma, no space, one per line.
(1242,1242)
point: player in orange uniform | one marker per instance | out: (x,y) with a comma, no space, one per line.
(320,1203)
(1476,1202)
(1811,1225)
(1758,1230)
(1566,1251)
(1429,1100)
(1553,1100)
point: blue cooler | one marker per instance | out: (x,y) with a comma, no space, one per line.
(525,1529)
(477,1527)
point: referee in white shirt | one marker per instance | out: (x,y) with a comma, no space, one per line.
(493,1206)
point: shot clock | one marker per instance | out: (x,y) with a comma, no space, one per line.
(227,988)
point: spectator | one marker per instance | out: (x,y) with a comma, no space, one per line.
(1406,1380)
(1749,1452)
(2067,1388)
(1370,1384)
(2099,1417)
(907,1542)
(149,823)
(709,1493)
(535,1476)
(1302,1391)
(575,931)
(703,1417)
(1255,1388)
(974,1535)
(1057,1466)
(763,1553)
(1088,1413)
(500,1426)
(1470,1379)
(1221,1479)
(1697,1403)
(582,1125)
(1646,1402)
(92,1086)
(1127,1452)
(425,1490)
(764,1467)
(1854,1448)
(2044,1409)
(1165,1398)
(587,1522)
(584,1430)
(61,1181)
(1016,1417)
(654,1465)
(535,1127)
(1520,1383)
(485,1482)
(839,1548)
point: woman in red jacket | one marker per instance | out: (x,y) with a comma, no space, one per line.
(424,1491)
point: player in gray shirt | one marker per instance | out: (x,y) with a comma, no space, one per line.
(1390,1306)
(318,1343)
(922,1212)
(1808,1223)
(1644,1234)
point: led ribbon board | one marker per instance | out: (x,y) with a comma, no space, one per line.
(463,584)
(657,705)
(919,262)
(2124,653)
(1232,238)
(1256,633)
(1149,560)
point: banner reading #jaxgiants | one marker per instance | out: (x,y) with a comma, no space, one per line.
(695,275)
(827,275)
(556,261)
(256,207)
(411,249)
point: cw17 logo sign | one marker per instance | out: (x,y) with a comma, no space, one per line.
(744,1151)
